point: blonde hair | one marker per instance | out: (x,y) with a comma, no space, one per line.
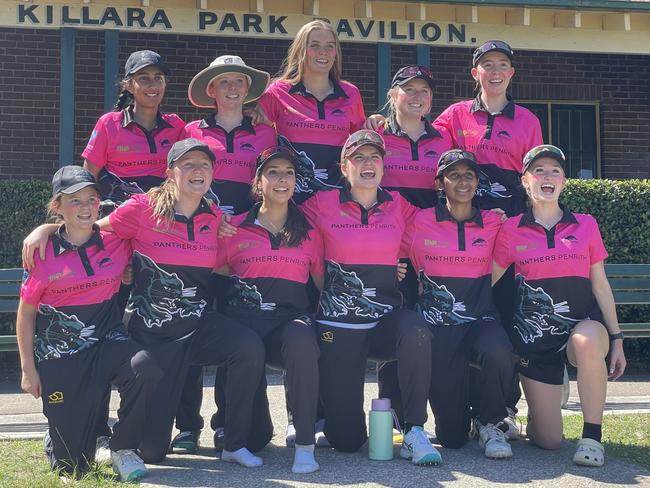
(390,108)
(293,66)
(162,199)
(51,209)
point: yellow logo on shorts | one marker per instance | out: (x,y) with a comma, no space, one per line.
(523,362)
(56,397)
(327,336)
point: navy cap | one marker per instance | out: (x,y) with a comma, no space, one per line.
(275,152)
(543,151)
(142,59)
(407,73)
(70,179)
(455,156)
(182,147)
(490,46)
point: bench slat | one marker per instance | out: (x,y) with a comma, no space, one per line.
(9,289)
(9,306)
(621,283)
(11,274)
(627,270)
(631,297)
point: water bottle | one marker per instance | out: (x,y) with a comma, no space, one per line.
(380,443)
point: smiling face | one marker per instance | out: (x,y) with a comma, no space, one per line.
(147,87)
(544,180)
(364,168)
(413,98)
(493,73)
(321,52)
(78,210)
(229,90)
(459,183)
(277,182)
(192,174)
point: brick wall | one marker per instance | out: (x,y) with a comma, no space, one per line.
(29,85)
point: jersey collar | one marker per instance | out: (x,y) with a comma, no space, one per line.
(204,207)
(392,128)
(528,218)
(300,89)
(60,244)
(345,195)
(443,214)
(128,117)
(211,122)
(508,110)
(251,215)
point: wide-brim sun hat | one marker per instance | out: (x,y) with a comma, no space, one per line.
(197,91)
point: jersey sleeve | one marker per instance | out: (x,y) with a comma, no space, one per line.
(597,251)
(310,209)
(270,104)
(95,151)
(127,219)
(358,113)
(317,264)
(408,209)
(446,121)
(407,240)
(33,284)
(535,135)
(502,254)
(222,253)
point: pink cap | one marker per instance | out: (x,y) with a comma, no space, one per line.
(380,404)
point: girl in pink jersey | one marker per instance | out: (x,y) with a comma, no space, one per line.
(564,307)
(69,301)
(360,310)
(269,261)
(128,147)
(312,108)
(451,248)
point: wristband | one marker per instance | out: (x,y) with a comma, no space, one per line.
(613,337)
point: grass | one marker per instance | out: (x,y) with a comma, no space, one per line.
(23,464)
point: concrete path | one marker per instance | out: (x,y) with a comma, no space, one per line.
(20,417)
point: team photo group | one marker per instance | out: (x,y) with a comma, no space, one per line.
(289,228)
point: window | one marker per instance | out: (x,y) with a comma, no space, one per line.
(573,127)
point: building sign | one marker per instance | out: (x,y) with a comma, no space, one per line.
(191,21)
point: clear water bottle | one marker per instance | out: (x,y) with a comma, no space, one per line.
(380,443)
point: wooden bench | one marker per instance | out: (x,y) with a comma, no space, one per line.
(630,284)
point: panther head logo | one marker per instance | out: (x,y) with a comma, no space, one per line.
(344,293)
(64,334)
(247,296)
(115,189)
(438,305)
(486,188)
(309,179)
(158,296)
(536,312)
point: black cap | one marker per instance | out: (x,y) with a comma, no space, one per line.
(361,138)
(455,156)
(407,73)
(70,179)
(275,152)
(181,148)
(543,151)
(142,59)
(490,46)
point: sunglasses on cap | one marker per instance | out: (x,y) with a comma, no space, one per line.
(489,46)
(453,156)
(409,72)
(274,152)
(545,150)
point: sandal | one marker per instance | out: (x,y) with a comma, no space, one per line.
(589,453)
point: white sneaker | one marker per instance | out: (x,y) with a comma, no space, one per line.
(242,456)
(128,465)
(304,461)
(514,430)
(103,451)
(494,441)
(320,440)
(418,449)
(290,438)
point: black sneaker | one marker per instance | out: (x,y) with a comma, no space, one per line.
(186,442)
(218,438)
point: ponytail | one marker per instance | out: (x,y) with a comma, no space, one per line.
(124,99)
(162,199)
(296,228)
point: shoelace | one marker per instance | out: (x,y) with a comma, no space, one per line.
(494,433)
(420,438)
(130,458)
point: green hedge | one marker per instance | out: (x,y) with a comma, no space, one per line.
(621,207)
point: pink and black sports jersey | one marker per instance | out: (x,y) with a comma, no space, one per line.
(172,264)
(319,129)
(361,248)
(500,142)
(552,269)
(132,158)
(454,264)
(265,276)
(74,289)
(235,152)
(410,166)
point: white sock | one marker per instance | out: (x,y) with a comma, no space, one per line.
(242,456)
(303,460)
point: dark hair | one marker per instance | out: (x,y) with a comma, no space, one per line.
(296,228)
(124,99)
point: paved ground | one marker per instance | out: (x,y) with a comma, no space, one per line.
(20,417)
